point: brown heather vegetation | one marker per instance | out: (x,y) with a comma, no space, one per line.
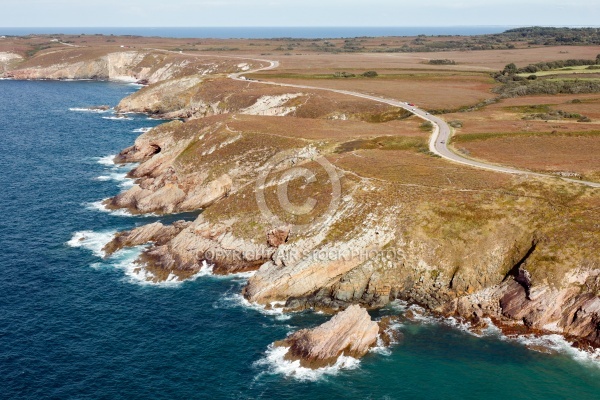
(462,230)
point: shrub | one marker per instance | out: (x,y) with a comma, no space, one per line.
(370,74)
(426,126)
(343,74)
(442,62)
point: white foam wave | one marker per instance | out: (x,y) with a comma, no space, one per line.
(380,348)
(99,206)
(120,177)
(276,363)
(124,259)
(141,130)
(237,300)
(90,240)
(207,270)
(107,160)
(90,110)
(118,118)
(557,343)
(420,315)
(552,342)
(398,305)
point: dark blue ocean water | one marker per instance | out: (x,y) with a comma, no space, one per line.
(72,326)
(263,32)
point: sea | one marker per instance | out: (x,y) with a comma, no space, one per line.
(74,325)
(262,32)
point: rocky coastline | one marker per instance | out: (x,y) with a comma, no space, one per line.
(521,252)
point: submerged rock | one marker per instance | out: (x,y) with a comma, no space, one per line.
(349,333)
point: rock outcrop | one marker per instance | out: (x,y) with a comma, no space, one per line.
(144,66)
(8,60)
(199,244)
(156,233)
(383,242)
(349,333)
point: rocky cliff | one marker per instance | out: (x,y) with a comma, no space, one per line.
(8,61)
(403,225)
(145,66)
(349,333)
(516,250)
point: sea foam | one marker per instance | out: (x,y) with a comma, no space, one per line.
(557,343)
(553,342)
(124,259)
(107,160)
(276,363)
(118,118)
(120,177)
(90,240)
(237,300)
(141,130)
(100,206)
(90,110)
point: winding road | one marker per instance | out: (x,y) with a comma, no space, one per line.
(438,143)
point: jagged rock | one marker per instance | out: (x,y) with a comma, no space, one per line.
(201,242)
(305,267)
(387,333)
(350,333)
(278,236)
(155,232)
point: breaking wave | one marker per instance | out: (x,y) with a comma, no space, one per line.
(90,110)
(124,259)
(276,363)
(100,206)
(551,343)
(237,300)
(118,118)
(92,241)
(141,130)
(107,160)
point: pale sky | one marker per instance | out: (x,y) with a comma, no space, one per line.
(209,13)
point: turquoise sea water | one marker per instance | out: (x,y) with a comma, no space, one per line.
(73,326)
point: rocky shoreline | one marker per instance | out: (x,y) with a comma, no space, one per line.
(518,251)
(289,270)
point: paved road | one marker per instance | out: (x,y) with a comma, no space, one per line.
(438,142)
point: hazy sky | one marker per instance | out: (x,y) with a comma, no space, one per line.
(198,13)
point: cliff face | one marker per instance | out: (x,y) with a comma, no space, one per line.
(8,60)
(404,225)
(201,95)
(518,251)
(147,66)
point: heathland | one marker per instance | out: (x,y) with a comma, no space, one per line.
(405,224)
